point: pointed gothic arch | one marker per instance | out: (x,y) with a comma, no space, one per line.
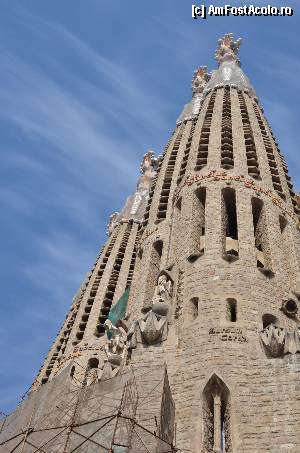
(217,432)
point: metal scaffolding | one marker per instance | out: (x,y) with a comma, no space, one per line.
(99,418)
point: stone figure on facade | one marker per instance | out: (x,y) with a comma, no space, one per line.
(153,327)
(115,349)
(116,340)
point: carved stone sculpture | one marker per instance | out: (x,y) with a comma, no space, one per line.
(273,340)
(115,349)
(153,327)
(279,341)
(117,339)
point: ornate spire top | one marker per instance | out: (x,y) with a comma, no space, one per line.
(148,164)
(200,79)
(227,49)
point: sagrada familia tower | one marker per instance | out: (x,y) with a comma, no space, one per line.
(185,335)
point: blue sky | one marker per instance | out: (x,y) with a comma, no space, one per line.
(86,88)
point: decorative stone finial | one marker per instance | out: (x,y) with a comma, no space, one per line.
(149,164)
(113,222)
(200,79)
(227,49)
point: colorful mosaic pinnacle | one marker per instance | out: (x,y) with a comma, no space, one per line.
(227,48)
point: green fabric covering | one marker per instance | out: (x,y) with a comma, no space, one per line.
(118,310)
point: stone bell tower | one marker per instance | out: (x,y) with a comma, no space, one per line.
(190,318)
(222,223)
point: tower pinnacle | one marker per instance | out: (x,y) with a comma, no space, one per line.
(228,49)
(229,71)
(200,79)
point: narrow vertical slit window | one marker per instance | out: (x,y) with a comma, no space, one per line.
(227,160)
(179,204)
(231,310)
(72,372)
(230,225)
(262,246)
(282,223)
(197,225)
(193,308)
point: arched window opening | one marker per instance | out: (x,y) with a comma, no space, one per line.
(93,363)
(230,213)
(91,375)
(257,207)
(229,225)
(231,310)
(268,319)
(158,247)
(197,225)
(261,237)
(216,417)
(193,308)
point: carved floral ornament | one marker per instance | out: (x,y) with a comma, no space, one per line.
(215,175)
(228,49)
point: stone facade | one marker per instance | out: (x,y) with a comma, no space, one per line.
(215,292)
